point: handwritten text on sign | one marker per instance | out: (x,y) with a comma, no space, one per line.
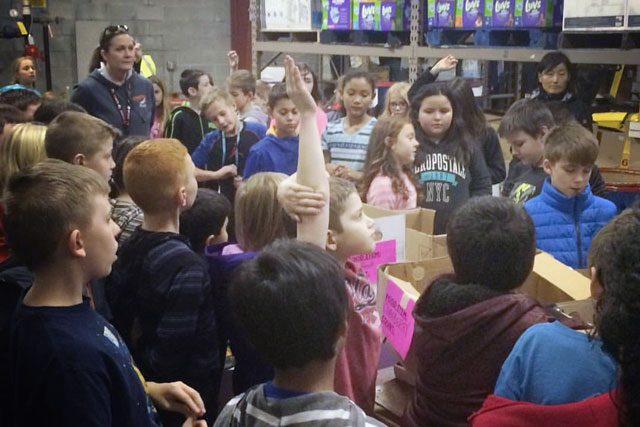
(384,253)
(397,318)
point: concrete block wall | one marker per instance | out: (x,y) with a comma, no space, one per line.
(189,33)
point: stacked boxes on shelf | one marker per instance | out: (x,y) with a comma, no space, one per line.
(499,13)
(469,13)
(292,15)
(603,15)
(371,15)
(538,13)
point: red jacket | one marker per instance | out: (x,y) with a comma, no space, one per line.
(599,411)
(462,336)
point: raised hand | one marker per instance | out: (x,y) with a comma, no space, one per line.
(296,89)
(449,62)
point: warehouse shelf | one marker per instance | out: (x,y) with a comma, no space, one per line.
(516,54)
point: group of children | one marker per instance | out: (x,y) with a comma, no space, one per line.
(183,272)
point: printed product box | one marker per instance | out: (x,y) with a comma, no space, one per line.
(390,16)
(294,15)
(633,14)
(336,14)
(594,15)
(406,15)
(558,9)
(441,13)
(499,13)
(534,13)
(469,13)
(366,15)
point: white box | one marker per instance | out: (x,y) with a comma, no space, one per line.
(291,15)
(594,15)
(633,14)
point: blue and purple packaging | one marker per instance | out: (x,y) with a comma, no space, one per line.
(534,13)
(499,13)
(365,14)
(336,14)
(441,13)
(388,15)
(469,13)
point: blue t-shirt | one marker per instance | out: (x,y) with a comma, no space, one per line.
(272,154)
(347,148)
(552,364)
(70,367)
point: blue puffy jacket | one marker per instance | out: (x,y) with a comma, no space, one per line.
(566,225)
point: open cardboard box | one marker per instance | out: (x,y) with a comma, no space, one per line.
(550,282)
(420,242)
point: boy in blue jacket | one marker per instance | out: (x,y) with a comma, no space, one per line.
(566,214)
(279,152)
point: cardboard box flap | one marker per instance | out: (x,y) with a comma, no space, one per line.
(551,281)
(421,219)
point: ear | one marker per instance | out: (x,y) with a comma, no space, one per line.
(342,336)
(544,130)
(596,286)
(75,244)
(546,165)
(192,91)
(332,244)
(540,78)
(78,159)
(102,54)
(182,197)
(387,141)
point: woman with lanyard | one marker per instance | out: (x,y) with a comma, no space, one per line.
(114,92)
(557,87)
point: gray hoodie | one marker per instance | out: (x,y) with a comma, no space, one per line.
(254,409)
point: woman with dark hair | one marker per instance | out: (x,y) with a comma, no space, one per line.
(114,92)
(556,85)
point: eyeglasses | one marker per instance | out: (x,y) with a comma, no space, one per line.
(111,29)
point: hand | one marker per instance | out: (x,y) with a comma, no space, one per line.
(177,397)
(192,422)
(449,62)
(227,171)
(237,181)
(137,51)
(296,89)
(234,60)
(299,200)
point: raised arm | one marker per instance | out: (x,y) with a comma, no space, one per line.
(311,170)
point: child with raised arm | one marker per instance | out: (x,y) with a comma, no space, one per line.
(349,232)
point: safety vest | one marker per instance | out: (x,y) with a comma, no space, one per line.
(147,66)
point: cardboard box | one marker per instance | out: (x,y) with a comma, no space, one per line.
(552,282)
(534,13)
(365,15)
(499,13)
(419,242)
(336,14)
(594,15)
(441,13)
(293,15)
(612,153)
(469,13)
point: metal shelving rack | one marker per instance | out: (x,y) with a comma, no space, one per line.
(414,51)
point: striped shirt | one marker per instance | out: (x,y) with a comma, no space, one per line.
(255,409)
(162,305)
(347,148)
(128,216)
(381,193)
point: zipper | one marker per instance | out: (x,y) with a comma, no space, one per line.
(576,219)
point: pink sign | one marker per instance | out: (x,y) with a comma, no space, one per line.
(384,253)
(397,318)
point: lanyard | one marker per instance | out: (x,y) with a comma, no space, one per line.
(236,147)
(125,115)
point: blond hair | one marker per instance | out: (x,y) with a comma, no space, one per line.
(400,89)
(243,80)
(216,94)
(23,147)
(153,172)
(259,218)
(72,133)
(573,143)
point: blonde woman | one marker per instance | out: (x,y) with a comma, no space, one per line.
(23,147)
